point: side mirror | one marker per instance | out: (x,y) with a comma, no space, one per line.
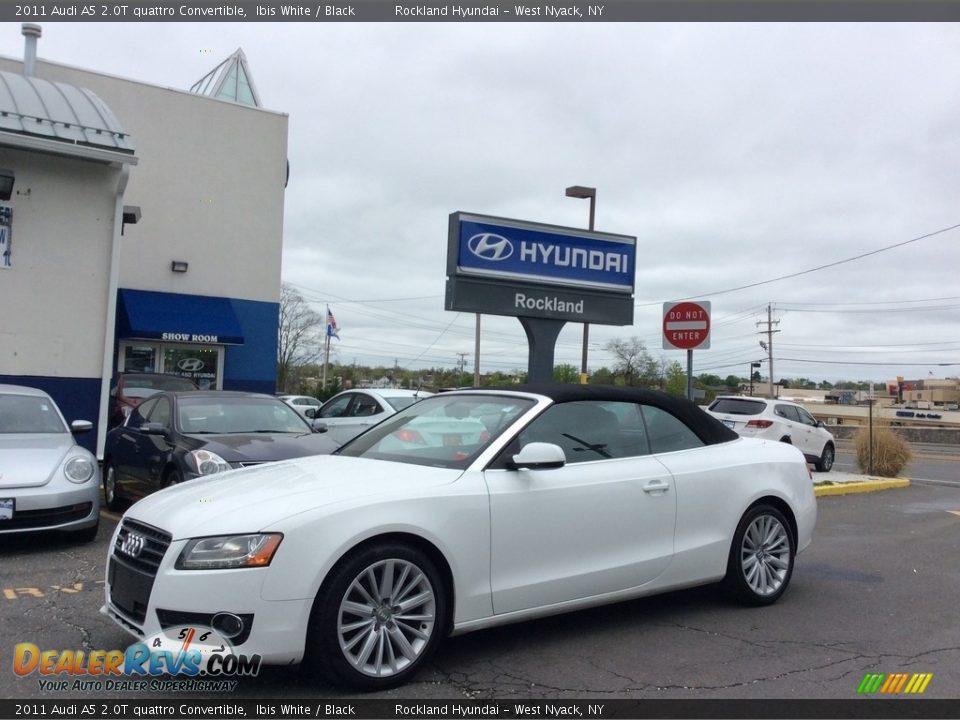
(310,413)
(319,426)
(538,456)
(80,426)
(153,428)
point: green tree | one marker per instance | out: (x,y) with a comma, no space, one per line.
(675,379)
(632,362)
(566,374)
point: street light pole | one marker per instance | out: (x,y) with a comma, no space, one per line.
(580,191)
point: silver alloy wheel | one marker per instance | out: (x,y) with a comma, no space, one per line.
(765,555)
(386,618)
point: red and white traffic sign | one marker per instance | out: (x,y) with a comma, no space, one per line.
(686,325)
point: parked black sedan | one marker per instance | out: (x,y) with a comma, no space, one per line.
(177,436)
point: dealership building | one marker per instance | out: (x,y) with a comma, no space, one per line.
(141,229)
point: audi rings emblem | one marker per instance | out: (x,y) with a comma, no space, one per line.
(190,365)
(488,246)
(132,545)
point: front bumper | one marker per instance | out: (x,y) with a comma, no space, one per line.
(53,506)
(143,607)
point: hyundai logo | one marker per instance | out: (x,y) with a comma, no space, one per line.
(190,365)
(132,544)
(488,246)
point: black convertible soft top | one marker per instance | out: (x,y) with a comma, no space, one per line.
(710,430)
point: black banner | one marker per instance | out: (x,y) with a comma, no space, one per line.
(177,709)
(483,11)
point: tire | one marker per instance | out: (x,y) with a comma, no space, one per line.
(826,458)
(761,557)
(173,478)
(361,635)
(111,493)
(87,534)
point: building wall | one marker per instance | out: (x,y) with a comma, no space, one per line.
(209,182)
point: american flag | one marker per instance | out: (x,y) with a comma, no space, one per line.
(332,329)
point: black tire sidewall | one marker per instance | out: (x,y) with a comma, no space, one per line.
(823,466)
(112,503)
(735,581)
(323,646)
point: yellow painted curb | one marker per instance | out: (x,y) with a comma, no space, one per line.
(871,485)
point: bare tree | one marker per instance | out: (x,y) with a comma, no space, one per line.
(632,361)
(300,336)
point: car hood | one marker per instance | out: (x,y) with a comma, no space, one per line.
(264,447)
(258,498)
(30,460)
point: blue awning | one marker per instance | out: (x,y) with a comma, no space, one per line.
(172,317)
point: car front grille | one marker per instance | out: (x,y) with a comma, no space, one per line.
(134,562)
(47,517)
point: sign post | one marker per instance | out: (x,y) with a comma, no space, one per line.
(686,326)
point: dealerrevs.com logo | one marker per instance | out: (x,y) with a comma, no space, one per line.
(179,659)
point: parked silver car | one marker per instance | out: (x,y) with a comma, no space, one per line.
(351,412)
(47,481)
(777,420)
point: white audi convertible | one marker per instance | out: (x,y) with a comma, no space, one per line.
(466,510)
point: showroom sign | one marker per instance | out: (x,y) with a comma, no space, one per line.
(511,267)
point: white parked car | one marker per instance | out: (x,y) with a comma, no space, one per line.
(47,481)
(777,420)
(301,403)
(463,511)
(351,412)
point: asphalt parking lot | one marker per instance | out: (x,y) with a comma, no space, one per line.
(875,593)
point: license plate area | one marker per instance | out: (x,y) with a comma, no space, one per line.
(7,508)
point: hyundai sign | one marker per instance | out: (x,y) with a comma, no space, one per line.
(511,267)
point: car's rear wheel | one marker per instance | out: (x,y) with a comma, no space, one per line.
(378,617)
(111,493)
(761,556)
(826,458)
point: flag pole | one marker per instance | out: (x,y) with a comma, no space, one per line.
(326,361)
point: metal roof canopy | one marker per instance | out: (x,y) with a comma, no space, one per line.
(60,118)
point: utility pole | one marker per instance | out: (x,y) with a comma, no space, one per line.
(461,364)
(768,345)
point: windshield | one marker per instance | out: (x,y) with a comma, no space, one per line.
(738,406)
(29,414)
(442,431)
(401,402)
(222,416)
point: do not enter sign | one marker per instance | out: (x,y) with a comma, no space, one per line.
(686,325)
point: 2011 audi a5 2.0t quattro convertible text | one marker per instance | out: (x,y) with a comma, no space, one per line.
(466,510)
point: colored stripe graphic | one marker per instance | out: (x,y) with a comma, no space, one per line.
(894,683)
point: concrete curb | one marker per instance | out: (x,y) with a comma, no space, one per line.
(870,485)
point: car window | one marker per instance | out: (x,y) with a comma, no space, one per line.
(805,417)
(590,430)
(738,406)
(29,414)
(667,433)
(787,411)
(337,407)
(364,406)
(138,416)
(400,402)
(226,415)
(161,412)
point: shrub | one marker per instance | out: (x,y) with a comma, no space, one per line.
(891,453)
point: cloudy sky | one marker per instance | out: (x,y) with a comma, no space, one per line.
(736,154)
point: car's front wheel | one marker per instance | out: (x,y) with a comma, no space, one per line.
(761,556)
(378,617)
(826,459)
(111,494)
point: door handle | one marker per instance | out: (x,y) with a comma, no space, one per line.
(657,486)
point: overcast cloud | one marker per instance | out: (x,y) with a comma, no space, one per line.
(736,153)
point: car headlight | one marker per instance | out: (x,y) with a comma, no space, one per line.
(79,469)
(229,551)
(205,462)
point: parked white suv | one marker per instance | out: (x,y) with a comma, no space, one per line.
(777,420)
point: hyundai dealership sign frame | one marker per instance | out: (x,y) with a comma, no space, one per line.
(499,266)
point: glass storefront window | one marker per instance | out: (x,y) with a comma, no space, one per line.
(201,364)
